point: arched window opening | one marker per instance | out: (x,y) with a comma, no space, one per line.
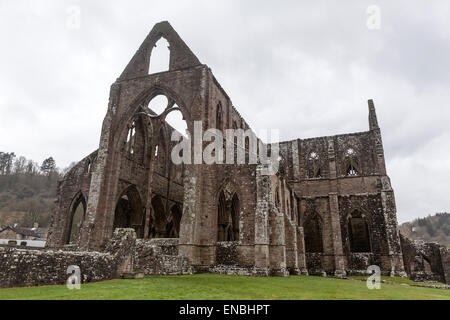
(219,116)
(173,222)
(160,57)
(358,233)
(426,264)
(88,168)
(352,170)
(228,218)
(351,162)
(315,170)
(158,104)
(78,214)
(235,213)
(277,198)
(131,138)
(176,121)
(313,234)
(222,219)
(158,221)
(129,212)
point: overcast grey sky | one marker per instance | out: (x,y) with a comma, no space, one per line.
(305,67)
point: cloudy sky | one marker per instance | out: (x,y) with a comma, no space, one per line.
(305,67)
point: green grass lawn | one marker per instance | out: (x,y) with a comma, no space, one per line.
(222,287)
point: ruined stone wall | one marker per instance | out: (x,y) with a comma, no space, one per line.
(160,257)
(335,176)
(26,267)
(166,182)
(425,261)
(445,257)
(35,267)
(321,182)
(75,184)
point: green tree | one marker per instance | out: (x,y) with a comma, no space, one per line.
(48,166)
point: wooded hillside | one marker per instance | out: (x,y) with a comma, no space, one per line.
(27,190)
(431,229)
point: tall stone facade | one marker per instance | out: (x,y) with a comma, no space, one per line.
(330,207)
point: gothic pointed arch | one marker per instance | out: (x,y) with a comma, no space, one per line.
(358,231)
(228,213)
(129,211)
(77,216)
(313,231)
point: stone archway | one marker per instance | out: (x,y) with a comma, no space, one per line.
(77,215)
(129,211)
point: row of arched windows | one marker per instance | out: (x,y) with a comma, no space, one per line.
(351,164)
(130,213)
(357,227)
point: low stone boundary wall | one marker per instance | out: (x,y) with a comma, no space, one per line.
(27,267)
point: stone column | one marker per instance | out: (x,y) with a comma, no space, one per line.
(262,222)
(339,262)
(301,251)
(336,235)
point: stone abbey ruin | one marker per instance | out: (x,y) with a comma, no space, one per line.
(328,210)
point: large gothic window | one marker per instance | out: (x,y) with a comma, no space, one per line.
(351,163)
(314,169)
(228,218)
(358,233)
(313,234)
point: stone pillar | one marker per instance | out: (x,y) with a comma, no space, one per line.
(336,236)
(148,203)
(262,221)
(191,205)
(301,251)
(291,246)
(277,246)
(339,263)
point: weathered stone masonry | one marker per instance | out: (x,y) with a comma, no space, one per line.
(329,209)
